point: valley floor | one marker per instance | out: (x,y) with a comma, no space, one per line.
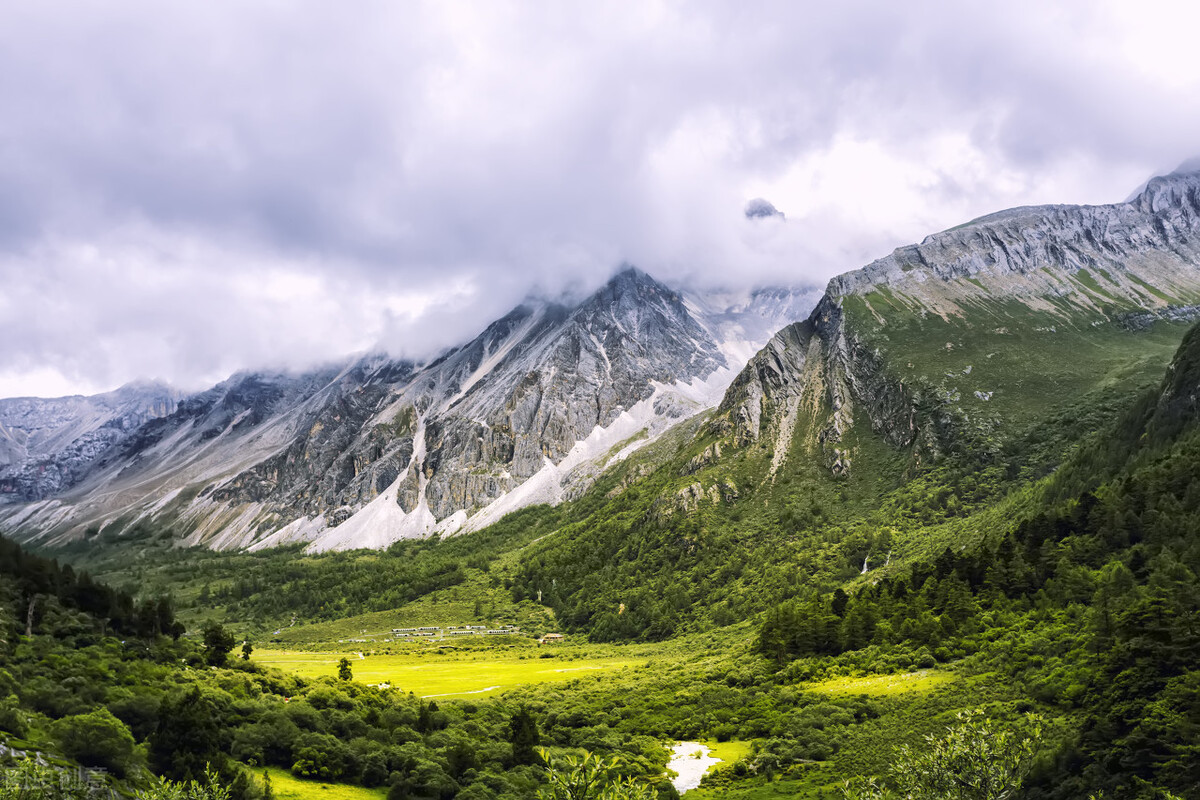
(445,675)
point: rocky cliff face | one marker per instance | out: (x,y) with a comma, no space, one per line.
(1034,268)
(47,446)
(566,380)
(360,455)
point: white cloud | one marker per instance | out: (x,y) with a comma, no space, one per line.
(195,188)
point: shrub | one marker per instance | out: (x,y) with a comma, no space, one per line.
(97,739)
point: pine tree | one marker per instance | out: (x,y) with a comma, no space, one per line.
(524,737)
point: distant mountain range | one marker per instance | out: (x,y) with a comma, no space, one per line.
(937,347)
(364,453)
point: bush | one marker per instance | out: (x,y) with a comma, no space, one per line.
(97,739)
(12,719)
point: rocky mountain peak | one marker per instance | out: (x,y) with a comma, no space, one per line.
(1025,271)
(760,208)
(360,454)
(1175,196)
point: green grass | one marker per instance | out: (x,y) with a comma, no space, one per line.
(430,675)
(1034,362)
(1091,284)
(288,787)
(884,685)
(729,752)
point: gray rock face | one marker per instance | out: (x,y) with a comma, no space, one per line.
(1130,263)
(248,458)
(47,446)
(335,461)
(1025,251)
(576,371)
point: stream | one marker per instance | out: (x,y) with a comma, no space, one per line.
(690,760)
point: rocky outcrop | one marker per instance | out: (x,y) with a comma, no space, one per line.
(47,446)
(705,458)
(377,449)
(1130,264)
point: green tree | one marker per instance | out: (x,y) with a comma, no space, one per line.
(973,761)
(217,644)
(524,737)
(96,739)
(344,671)
(247,649)
(188,737)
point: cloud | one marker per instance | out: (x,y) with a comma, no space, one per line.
(192,188)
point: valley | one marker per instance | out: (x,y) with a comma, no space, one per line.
(955,497)
(444,675)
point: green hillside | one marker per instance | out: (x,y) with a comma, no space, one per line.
(812,595)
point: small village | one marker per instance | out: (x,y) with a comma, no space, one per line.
(437,633)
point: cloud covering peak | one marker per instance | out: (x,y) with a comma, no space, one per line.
(191,188)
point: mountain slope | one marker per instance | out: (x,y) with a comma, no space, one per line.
(947,343)
(886,426)
(47,446)
(529,411)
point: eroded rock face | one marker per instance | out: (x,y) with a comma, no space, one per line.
(1129,263)
(47,446)
(261,451)
(335,460)
(597,361)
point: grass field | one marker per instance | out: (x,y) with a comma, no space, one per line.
(288,787)
(438,676)
(883,685)
(728,752)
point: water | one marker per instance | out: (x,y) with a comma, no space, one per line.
(690,760)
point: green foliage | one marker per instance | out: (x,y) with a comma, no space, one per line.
(974,760)
(96,739)
(217,644)
(29,780)
(588,777)
(36,578)
(344,671)
(524,737)
(211,787)
(188,738)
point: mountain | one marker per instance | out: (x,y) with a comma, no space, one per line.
(47,446)
(362,454)
(951,343)
(916,408)
(957,344)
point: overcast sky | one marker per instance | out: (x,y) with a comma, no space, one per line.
(190,188)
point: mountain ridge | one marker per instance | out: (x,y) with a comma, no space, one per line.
(924,347)
(1016,272)
(384,449)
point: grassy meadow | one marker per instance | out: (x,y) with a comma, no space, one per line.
(429,675)
(286,786)
(883,685)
